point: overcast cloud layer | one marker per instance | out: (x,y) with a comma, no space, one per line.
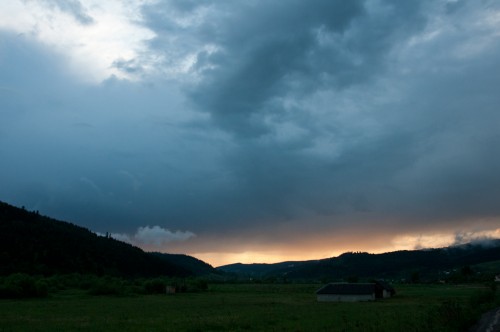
(255,130)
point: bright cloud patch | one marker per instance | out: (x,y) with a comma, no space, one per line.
(437,240)
(158,236)
(92,35)
(155,236)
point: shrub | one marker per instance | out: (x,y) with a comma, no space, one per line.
(107,286)
(197,285)
(155,286)
(21,285)
(42,289)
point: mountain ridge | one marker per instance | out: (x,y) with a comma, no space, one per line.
(429,264)
(35,244)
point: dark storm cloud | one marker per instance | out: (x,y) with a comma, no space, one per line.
(270,53)
(268,50)
(455,171)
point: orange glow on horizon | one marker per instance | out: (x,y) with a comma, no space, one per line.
(249,257)
(319,251)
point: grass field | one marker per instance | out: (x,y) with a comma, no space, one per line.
(246,307)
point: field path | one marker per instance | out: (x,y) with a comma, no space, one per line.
(489,322)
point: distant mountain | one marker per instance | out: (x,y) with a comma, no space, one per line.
(35,244)
(194,265)
(428,264)
(259,270)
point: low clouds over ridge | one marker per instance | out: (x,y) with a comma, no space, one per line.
(153,238)
(241,120)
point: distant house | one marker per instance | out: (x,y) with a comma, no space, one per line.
(345,292)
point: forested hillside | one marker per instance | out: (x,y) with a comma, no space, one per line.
(35,244)
(192,264)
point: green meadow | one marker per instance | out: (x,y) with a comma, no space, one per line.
(251,307)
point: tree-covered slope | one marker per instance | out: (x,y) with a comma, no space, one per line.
(35,244)
(195,265)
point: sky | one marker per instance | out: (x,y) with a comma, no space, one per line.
(255,130)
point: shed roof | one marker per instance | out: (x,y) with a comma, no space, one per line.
(347,289)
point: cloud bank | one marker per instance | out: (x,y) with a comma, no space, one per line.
(153,238)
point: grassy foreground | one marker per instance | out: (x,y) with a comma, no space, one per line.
(250,307)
